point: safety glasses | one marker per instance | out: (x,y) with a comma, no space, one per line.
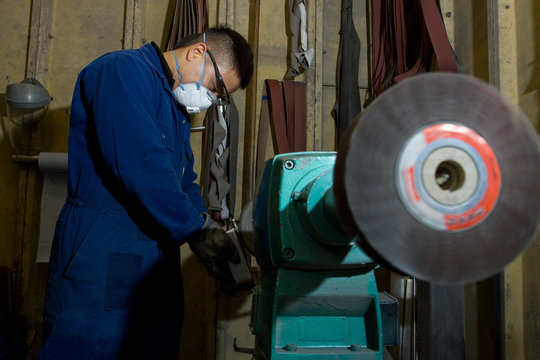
(219,100)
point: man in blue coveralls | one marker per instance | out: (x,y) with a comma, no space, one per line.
(115,286)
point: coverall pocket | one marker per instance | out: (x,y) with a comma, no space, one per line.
(123,275)
(88,266)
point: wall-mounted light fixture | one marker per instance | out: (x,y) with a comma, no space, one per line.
(27,106)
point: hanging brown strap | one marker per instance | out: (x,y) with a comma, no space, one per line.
(218,178)
(202,16)
(400,35)
(439,38)
(382,50)
(189,17)
(277,114)
(424,49)
(288,96)
(262,135)
(402,30)
(283,111)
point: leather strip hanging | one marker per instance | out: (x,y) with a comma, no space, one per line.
(189,17)
(220,163)
(202,23)
(262,135)
(406,36)
(419,44)
(439,38)
(348,104)
(288,93)
(277,114)
(283,110)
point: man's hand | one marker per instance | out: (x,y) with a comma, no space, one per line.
(214,249)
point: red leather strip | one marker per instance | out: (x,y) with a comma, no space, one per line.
(378,54)
(438,35)
(278,116)
(262,136)
(400,30)
(288,98)
(288,132)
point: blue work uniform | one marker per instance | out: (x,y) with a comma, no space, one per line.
(115,287)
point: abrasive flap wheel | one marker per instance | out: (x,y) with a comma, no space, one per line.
(441,176)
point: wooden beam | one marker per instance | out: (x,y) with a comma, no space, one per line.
(447,11)
(27,288)
(133,20)
(38,43)
(248,177)
(503,73)
(314,78)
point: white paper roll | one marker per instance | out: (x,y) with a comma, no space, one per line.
(53,162)
(54,167)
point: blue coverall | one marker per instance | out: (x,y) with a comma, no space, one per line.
(115,287)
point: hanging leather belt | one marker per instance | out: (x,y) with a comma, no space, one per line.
(348,104)
(439,38)
(218,177)
(396,36)
(283,109)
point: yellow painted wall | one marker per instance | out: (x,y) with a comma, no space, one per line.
(14,18)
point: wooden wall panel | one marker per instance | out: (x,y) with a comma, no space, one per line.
(80,32)
(14,19)
(526,15)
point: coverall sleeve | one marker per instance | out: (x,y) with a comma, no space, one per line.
(190,187)
(122,93)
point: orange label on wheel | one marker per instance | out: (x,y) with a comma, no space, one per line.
(486,204)
(421,200)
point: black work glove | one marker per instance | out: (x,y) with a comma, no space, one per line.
(214,249)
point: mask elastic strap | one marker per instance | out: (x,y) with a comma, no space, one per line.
(204,66)
(177,70)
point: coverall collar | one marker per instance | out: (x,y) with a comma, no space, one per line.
(153,56)
(165,67)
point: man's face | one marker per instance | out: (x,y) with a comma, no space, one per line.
(222,84)
(219,80)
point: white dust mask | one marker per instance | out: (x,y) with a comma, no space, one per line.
(195,97)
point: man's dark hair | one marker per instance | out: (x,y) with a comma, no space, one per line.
(230,49)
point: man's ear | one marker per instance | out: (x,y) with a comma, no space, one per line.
(196,51)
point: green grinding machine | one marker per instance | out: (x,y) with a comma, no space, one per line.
(437,179)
